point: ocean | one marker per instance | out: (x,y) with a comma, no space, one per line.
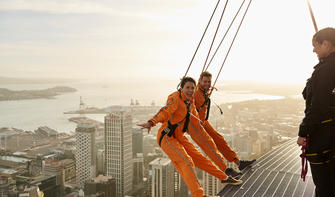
(31,114)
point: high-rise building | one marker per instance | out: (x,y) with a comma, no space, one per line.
(101,161)
(138,169)
(137,136)
(162,178)
(211,184)
(118,149)
(180,188)
(85,154)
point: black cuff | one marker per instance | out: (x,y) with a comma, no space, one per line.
(303,130)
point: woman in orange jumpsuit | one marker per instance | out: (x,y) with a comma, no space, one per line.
(175,118)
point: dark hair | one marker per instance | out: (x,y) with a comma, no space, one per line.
(184,80)
(325,34)
(206,74)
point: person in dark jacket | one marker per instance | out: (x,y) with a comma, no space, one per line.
(317,130)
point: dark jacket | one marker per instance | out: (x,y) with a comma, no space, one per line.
(319,94)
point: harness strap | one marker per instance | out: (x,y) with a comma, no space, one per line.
(319,163)
(208,102)
(169,130)
(208,108)
(315,154)
(320,158)
(162,136)
(326,121)
(187,118)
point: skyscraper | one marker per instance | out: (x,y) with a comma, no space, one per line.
(180,188)
(137,135)
(101,161)
(162,178)
(118,149)
(211,184)
(85,154)
(138,169)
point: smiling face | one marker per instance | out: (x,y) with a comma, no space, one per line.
(188,89)
(205,83)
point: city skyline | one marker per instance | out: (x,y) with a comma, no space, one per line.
(253,129)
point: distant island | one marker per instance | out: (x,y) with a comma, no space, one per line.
(50,93)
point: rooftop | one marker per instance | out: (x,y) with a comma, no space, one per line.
(59,163)
(7,171)
(276,173)
(160,162)
(14,159)
(101,178)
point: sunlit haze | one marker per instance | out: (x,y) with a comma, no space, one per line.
(150,39)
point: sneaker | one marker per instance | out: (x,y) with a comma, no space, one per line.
(233,173)
(231,181)
(245,163)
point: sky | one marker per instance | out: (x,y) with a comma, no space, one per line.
(155,39)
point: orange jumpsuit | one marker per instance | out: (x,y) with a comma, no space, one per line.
(181,151)
(199,99)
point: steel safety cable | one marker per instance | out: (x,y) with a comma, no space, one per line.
(202,37)
(217,28)
(232,22)
(230,47)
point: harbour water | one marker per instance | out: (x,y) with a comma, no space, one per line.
(30,114)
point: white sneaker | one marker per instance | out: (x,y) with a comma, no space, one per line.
(231,181)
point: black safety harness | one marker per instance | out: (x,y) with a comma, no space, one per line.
(320,158)
(206,102)
(169,130)
(324,156)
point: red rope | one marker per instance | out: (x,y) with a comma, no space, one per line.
(304,163)
(217,28)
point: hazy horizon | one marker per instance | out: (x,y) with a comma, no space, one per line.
(165,86)
(129,40)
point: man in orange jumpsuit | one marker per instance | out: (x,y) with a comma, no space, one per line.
(175,118)
(202,103)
